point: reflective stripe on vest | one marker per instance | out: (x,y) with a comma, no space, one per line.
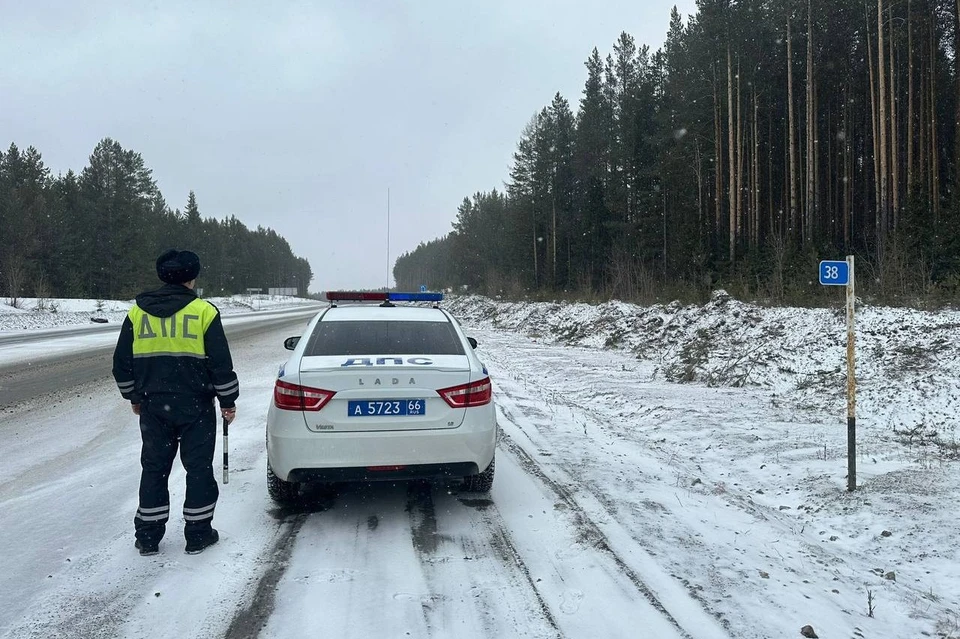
(180,335)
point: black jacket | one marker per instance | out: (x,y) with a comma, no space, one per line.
(172,347)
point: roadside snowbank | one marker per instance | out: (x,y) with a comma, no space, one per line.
(736,416)
(908,361)
(35,313)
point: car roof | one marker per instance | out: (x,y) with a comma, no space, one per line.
(375,312)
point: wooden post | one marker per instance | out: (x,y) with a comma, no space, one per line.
(851,384)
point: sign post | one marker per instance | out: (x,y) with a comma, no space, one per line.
(841,273)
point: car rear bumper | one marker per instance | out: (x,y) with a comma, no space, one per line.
(384,473)
(297,454)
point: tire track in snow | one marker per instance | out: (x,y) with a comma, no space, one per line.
(426,541)
(249,622)
(590,529)
(510,555)
(528,420)
(536,427)
(423,532)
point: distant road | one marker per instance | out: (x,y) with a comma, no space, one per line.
(26,336)
(62,370)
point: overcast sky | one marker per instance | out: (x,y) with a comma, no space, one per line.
(300,115)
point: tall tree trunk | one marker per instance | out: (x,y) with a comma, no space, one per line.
(793,127)
(802,174)
(663,192)
(739,181)
(875,139)
(934,125)
(770,226)
(785,220)
(718,154)
(553,233)
(698,168)
(923,127)
(536,266)
(894,147)
(882,84)
(755,187)
(830,225)
(732,159)
(956,113)
(847,177)
(817,184)
(811,149)
(910,88)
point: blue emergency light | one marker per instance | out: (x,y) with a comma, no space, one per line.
(415,297)
(379,296)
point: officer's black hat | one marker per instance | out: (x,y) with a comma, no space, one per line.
(177,267)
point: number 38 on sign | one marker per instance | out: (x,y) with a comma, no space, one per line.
(834,273)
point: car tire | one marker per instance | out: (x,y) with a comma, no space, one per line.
(282,492)
(482,482)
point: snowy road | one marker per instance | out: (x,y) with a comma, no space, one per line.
(593,529)
(393,560)
(33,363)
(29,346)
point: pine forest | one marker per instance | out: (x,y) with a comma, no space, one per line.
(98,234)
(764,136)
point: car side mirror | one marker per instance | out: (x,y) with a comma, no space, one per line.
(291,342)
(473,342)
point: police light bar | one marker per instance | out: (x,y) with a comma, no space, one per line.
(415,297)
(355,296)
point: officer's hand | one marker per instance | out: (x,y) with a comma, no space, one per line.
(229,414)
(135,408)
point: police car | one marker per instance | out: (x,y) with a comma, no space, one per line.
(381,389)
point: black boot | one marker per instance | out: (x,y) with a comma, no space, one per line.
(197,546)
(147,549)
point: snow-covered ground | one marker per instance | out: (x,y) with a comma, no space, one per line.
(33,313)
(663,471)
(723,428)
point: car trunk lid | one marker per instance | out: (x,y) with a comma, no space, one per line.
(387,392)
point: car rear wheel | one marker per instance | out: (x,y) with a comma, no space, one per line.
(480,483)
(282,492)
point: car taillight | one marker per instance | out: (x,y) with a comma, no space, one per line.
(473,394)
(289,396)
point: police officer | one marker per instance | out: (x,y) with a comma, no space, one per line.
(172,359)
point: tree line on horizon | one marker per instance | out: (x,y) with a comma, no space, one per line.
(764,136)
(97,234)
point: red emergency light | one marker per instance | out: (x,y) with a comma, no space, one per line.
(355,296)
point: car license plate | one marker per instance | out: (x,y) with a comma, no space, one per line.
(386,408)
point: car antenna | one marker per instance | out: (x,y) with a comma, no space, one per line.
(388,238)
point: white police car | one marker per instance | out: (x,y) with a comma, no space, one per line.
(381,391)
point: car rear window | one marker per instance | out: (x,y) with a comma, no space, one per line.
(358,337)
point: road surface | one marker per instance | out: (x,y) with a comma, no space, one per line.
(54,361)
(543,555)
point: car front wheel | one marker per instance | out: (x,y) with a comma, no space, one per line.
(482,482)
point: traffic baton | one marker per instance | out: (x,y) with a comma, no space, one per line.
(226,463)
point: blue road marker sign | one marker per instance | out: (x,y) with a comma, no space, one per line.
(423,288)
(834,273)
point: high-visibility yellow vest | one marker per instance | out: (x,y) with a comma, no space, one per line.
(180,335)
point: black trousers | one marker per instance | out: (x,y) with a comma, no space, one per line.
(166,424)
